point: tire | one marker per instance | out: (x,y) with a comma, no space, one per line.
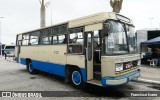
(30,68)
(76,79)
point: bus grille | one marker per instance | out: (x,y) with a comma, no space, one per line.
(129,65)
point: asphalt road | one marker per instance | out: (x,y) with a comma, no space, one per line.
(14,77)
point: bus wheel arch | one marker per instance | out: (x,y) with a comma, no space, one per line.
(29,66)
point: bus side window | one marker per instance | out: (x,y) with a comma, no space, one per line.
(76,41)
(61,39)
(45,36)
(34,37)
(55,39)
(60,34)
(25,39)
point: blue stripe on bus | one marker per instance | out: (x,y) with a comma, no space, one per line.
(49,67)
(103,81)
(84,76)
(16,59)
(23,61)
(52,68)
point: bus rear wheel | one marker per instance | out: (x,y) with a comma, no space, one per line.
(30,68)
(76,79)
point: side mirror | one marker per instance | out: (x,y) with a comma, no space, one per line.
(106,29)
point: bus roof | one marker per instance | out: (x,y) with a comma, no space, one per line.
(91,19)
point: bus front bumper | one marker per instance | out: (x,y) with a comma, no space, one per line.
(121,80)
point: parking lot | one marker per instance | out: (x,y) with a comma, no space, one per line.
(14,77)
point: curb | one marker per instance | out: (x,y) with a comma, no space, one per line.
(147,81)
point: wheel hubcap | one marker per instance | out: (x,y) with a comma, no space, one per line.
(30,67)
(76,78)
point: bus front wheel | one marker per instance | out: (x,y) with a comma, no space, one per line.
(76,79)
(30,68)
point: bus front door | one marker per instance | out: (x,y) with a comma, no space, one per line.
(18,50)
(89,55)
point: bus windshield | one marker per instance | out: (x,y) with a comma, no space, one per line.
(132,42)
(116,41)
(10,47)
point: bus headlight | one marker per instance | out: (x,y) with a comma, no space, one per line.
(119,67)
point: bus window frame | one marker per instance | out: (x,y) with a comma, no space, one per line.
(57,33)
(72,31)
(47,34)
(25,39)
(33,32)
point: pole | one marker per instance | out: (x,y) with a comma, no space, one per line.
(151,23)
(1,37)
(51,12)
(42,24)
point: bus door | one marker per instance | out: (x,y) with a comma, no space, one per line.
(19,50)
(89,54)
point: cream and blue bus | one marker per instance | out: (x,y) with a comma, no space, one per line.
(99,49)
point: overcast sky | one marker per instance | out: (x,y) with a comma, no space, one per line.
(23,15)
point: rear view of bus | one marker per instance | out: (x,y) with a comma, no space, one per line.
(100,49)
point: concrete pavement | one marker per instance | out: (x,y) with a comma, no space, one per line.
(150,74)
(14,77)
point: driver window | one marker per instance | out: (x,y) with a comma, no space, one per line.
(76,38)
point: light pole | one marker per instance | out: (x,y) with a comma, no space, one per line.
(42,14)
(49,3)
(151,19)
(1,37)
(51,12)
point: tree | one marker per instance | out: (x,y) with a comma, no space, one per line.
(116,5)
(42,15)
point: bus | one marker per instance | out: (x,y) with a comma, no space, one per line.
(99,49)
(9,50)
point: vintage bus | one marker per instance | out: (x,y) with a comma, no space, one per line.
(98,49)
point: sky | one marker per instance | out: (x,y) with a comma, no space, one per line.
(24,15)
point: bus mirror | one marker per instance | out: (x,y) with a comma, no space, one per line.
(106,29)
